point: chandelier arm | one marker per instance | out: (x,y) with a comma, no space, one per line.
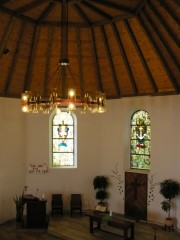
(54,73)
(74,76)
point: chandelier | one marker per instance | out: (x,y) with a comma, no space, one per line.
(35,102)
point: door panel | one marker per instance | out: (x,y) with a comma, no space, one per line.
(136,195)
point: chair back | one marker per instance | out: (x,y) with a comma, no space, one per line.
(57,199)
(56,203)
(76,200)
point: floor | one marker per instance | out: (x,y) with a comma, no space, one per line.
(77,228)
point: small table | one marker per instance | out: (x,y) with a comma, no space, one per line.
(122,224)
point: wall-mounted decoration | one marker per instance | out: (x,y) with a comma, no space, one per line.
(38,168)
(151,189)
(119,178)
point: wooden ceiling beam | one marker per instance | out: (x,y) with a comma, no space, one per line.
(28,77)
(29,7)
(140,7)
(177,1)
(96,9)
(70,24)
(81,14)
(45,13)
(114,5)
(110,21)
(79,50)
(168,29)
(14,14)
(3,2)
(171,12)
(48,57)
(125,59)
(6,35)
(108,52)
(99,80)
(158,52)
(73,1)
(162,39)
(141,56)
(15,59)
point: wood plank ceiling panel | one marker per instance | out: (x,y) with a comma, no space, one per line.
(164,85)
(4,44)
(88,65)
(135,63)
(119,66)
(121,47)
(104,68)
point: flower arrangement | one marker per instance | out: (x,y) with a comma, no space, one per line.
(19,207)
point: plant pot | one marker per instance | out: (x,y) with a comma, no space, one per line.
(169,222)
(102,203)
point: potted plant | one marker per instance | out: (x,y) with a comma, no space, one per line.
(169,189)
(19,207)
(100,185)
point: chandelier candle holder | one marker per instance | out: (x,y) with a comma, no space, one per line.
(35,102)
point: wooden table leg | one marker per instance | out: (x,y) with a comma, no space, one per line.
(91,225)
(98,225)
(125,233)
(132,231)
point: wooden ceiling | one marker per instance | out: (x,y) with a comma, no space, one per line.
(121,47)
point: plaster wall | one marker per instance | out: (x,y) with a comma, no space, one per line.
(12,160)
(103,149)
(65,181)
(165,151)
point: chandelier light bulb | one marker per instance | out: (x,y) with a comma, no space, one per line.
(71,93)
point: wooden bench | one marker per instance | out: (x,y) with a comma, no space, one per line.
(99,218)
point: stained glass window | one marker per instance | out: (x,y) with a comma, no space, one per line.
(140,140)
(63,140)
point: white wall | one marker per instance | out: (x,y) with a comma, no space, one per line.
(12,160)
(165,151)
(65,181)
(103,147)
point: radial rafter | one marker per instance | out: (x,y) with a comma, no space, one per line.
(99,45)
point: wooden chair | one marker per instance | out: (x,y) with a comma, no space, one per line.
(56,204)
(76,203)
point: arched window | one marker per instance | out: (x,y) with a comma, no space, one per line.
(63,142)
(140,140)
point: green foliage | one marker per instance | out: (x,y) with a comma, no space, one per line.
(19,206)
(166,206)
(100,184)
(101,195)
(169,189)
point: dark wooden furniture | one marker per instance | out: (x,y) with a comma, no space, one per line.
(169,227)
(76,203)
(56,204)
(99,218)
(35,212)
